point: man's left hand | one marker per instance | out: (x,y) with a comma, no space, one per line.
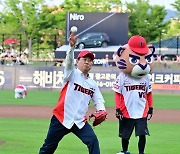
(99,117)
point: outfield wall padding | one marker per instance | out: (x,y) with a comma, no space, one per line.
(51,77)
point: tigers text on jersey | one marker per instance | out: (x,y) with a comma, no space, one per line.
(134,101)
(76,95)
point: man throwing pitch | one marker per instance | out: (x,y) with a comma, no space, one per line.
(69,116)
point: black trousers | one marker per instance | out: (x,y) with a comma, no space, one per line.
(57,131)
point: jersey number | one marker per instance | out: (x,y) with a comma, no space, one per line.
(142,94)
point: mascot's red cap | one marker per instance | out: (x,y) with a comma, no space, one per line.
(84,53)
(138,44)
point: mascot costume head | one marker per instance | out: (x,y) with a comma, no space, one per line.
(135,58)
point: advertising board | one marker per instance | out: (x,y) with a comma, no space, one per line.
(115,25)
(51,78)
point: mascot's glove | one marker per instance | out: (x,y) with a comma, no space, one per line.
(119,114)
(99,117)
(150,113)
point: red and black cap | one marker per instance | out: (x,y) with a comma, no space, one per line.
(138,44)
(84,53)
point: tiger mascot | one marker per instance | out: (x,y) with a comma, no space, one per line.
(133,92)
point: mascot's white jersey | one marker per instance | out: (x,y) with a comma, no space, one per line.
(134,92)
(76,95)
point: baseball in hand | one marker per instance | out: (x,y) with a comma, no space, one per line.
(73,29)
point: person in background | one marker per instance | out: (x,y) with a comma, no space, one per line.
(58,63)
(2,56)
(106,61)
(20,91)
(69,115)
(22,59)
(114,58)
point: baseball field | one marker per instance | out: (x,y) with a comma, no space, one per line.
(24,124)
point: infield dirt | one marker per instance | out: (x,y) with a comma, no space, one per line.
(160,115)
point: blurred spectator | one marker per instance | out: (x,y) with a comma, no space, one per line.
(58,63)
(22,59)
(178,58)
(114,58)
(106,61)
(159,58)
(13,52)
(9,56)
(3,55)
(114,55)
(8,53)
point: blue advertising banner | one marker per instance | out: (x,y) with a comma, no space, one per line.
(52,78)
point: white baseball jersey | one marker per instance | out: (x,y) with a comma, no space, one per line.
(134,102)
(76,95)
(20,91)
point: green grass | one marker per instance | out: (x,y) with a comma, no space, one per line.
(49,98)
(25,136)
(34,98)
(166,101)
